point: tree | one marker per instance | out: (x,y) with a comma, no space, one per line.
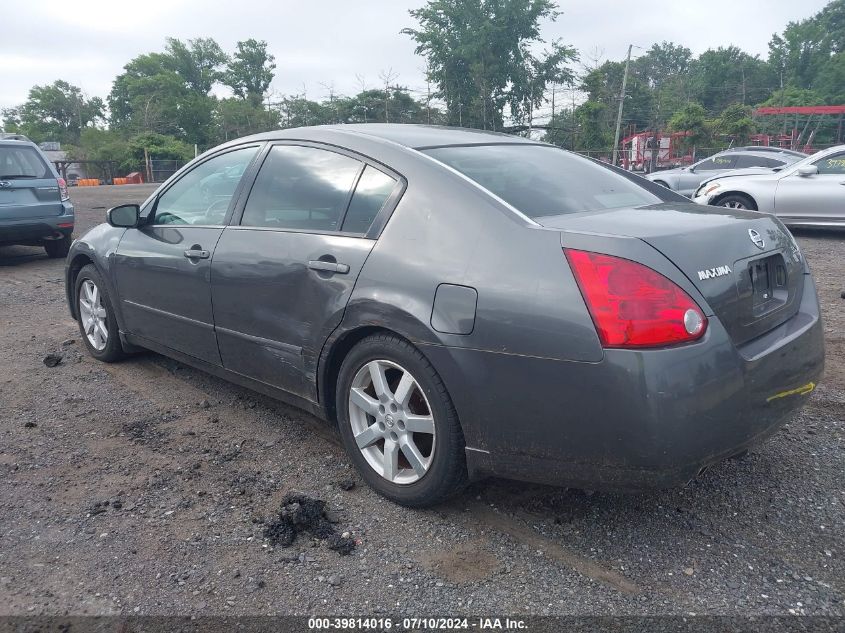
(692,118)
(199,62)
(802,50)
(736,122)
(238,117)
(593,132)
(54,112)
(727,75)
(479,54)
(166,93)
(250,71)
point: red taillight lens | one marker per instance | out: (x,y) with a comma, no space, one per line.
(632,305)
(63,194)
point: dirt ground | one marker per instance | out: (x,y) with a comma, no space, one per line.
(145,487)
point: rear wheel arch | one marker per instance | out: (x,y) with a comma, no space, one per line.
(662,183)
(332,357)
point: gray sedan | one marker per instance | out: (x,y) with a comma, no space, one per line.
(685,180)
(810,192)
(464,304)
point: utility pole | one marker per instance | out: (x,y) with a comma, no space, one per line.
(621,103)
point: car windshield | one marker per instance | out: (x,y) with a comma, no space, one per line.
(541,181)
(21,161)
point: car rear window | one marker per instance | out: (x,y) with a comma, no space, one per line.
(542,181)
(21,162)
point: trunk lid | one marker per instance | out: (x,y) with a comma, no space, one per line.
(744,263)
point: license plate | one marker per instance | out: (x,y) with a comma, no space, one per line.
(768,282)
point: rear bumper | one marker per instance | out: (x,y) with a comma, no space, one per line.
(636,419)
(28,230)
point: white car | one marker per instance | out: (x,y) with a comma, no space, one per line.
(810,192)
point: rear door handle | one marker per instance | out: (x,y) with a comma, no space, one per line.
(332,267)
(197,253)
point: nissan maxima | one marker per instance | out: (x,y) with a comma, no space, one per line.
(463,304)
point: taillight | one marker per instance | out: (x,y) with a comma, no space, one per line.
(632,305)
(63,194)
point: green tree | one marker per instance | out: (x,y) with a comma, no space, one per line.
(736,122)
(250,70)
(593,133)
(479,54)
(727,75)
(199,62)
(800,53)
(692,118)
(239,117)
(163,94)
(54,112)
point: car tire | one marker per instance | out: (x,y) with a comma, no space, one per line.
(58,248)
(737,201)
(431,471)
(99,312)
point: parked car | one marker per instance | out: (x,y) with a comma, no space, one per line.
(463,304)
(35,208)
(685,180)
(810,192)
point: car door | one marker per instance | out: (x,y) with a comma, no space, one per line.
(281,277)
(162,267)
(692,178)
(818,197)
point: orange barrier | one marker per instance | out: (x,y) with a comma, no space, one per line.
(88,182)
(120,181)
(135,178)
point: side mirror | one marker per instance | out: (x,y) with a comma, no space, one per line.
(807,170)
(125,216)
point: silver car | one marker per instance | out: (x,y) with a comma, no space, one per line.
(810,192)
(685,180)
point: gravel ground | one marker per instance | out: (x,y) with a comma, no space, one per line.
(144,487)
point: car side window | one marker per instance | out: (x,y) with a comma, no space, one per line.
(303,188)
(373,189)
(202,196)
(834,164)
(752,160)
(716,163)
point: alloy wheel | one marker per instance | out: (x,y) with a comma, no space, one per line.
(733,204)
(93,315)
(392,422)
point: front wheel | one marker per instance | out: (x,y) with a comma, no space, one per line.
(737,201)
(97,322)
(398,423)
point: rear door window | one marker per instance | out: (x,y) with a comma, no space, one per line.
(372,191)
(21,162)
(301,188)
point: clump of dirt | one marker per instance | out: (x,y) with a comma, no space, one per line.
(301,513)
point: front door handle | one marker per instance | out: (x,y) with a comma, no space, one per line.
(197,253)
(331,267)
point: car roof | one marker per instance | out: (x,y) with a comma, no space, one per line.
(410,135)
(765,149)
(17,143)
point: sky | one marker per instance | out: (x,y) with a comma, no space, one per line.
(339,45)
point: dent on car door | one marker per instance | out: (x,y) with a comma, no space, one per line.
(816,197)
(282,277)
(162,268)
